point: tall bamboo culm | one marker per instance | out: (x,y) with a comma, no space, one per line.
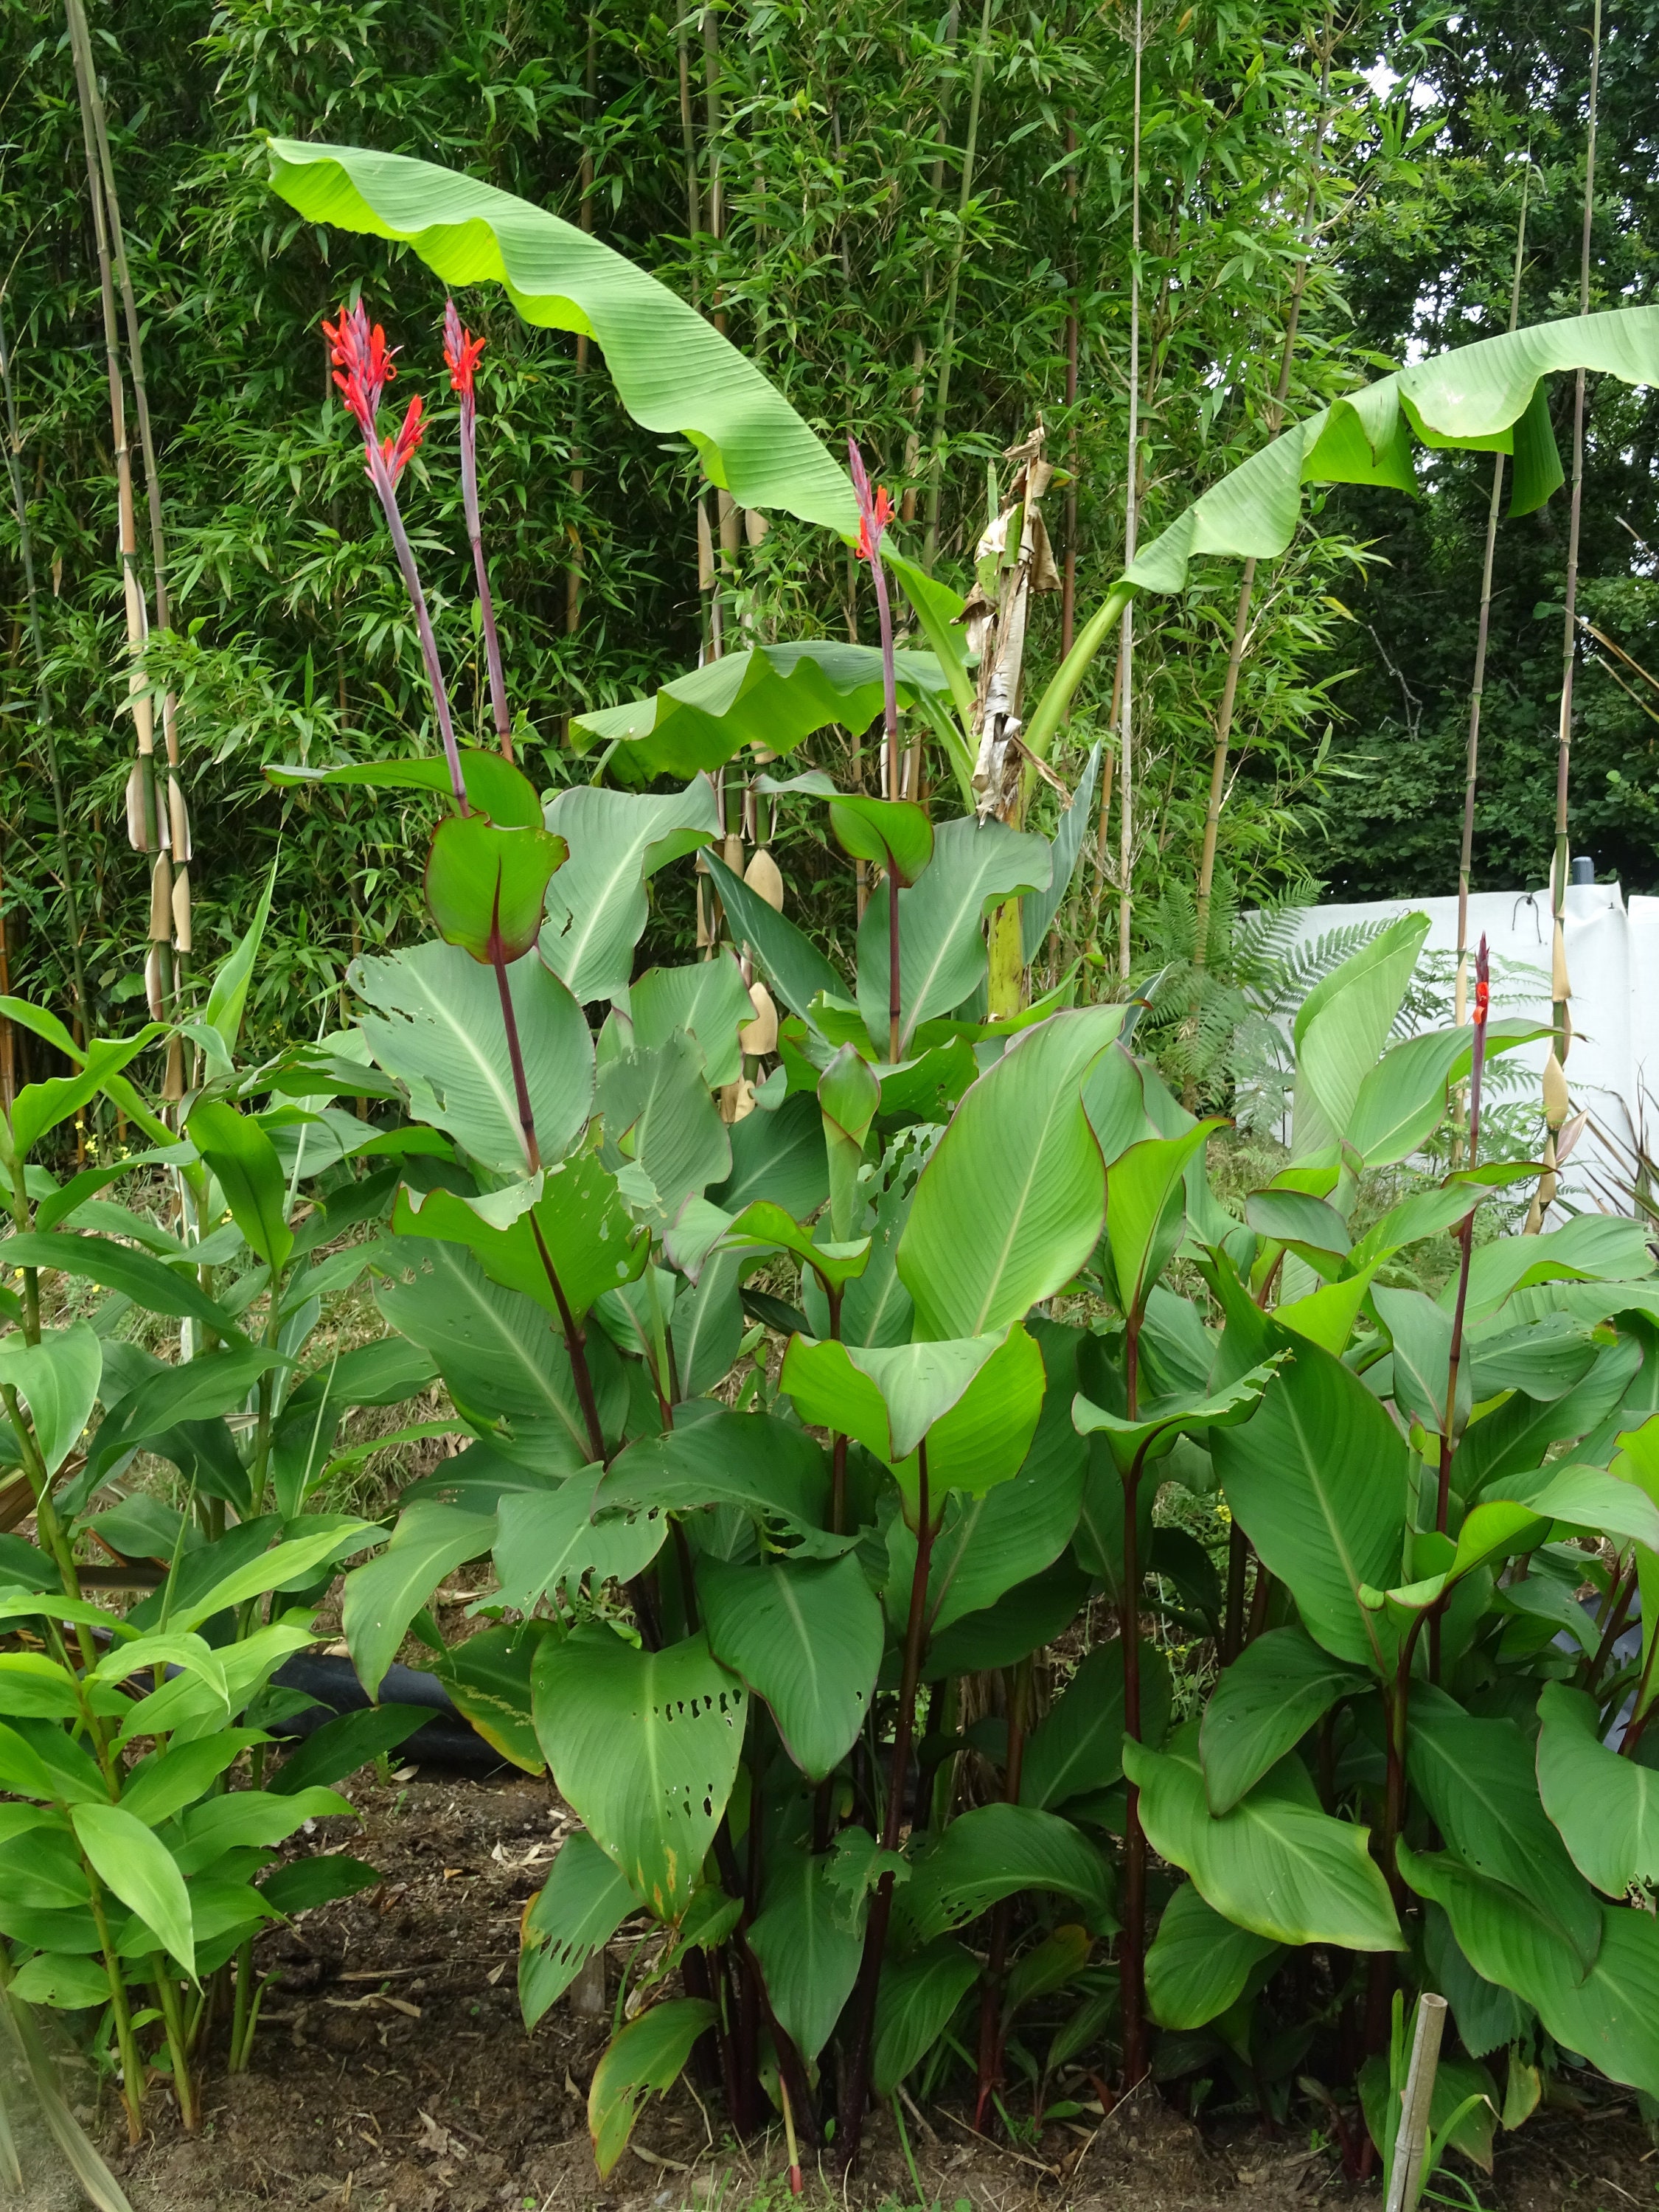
(1555,1076)
(157,826)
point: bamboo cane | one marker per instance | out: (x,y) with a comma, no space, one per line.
(1412,2137)
(179,834)
(1275,415)
(1466,854)
(1556,1099)
(42,698)
(147,828)
(1130,522)
(948,327)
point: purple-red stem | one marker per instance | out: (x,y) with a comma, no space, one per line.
(856,2081)
(1466,1233)
(486,604)
(1132,1946)
(379,475)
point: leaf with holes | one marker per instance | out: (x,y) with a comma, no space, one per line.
(996,1851)
(644,1746)
(575,1913)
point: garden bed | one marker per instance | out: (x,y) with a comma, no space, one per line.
(392,2072)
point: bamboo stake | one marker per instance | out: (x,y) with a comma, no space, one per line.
(1275,415)
(572,574)
(1556,1100)
(1130,522)
(42,698)
(1412,2138)
(178,837)
(948,329)
(919,350)
(1472,765)
(146,826)
(1068,527)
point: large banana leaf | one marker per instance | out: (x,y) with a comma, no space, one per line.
(673,370)
(1489,396)
(772,696)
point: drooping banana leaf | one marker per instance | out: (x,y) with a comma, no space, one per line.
(772,696)
(1489,396)
(673,370)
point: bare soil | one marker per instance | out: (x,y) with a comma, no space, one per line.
(392,2072)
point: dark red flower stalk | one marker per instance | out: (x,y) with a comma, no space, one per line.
(461,351)
(363,367)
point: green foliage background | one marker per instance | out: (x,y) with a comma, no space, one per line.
(836,136)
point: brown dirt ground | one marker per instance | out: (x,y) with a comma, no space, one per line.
(391,2073)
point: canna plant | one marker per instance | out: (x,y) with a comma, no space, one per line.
(1015,1323)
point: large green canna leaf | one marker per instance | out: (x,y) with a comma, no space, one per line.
(763,1227)
(648,2054)
(384,1595)
(659,1114)
(571,1211)
(546,1540)
(1477,1778)
(1501,1452)
(673,370)
(988,1544)
(58,1379)
(1146,1192)
(1592,1247)
(1279,1686)
(492,785)
(596,902)
(975,1401)
(797,968)
(806,1636)
(1076,1747)
(1342,1026)
(771,695)
(914,2007)
(485,884)
(1023,1620)
(708,999)
(993,1851)
(769,1468)
(1276,1863)
(808,1953)
(580,1908)
(1199,1963)
(1487,2016)
(1485,396)
(942,957)
(1611,2014)
(501,1357)
(777,1156)
(644,1747)
(435,1024)
(1318,1481)
(1011,1204)
(1605,1808)
(1151,1438)
(1401,1103)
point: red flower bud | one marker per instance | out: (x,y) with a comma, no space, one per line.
(876,510)
(461,351)
(399,451)
(364,356)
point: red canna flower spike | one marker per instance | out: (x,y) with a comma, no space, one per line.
(399,451)
(1482,985)
(461,351)
(876,510)
(367,360)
